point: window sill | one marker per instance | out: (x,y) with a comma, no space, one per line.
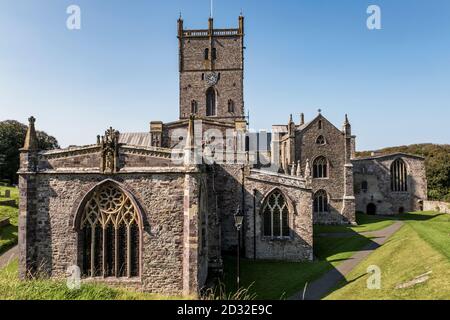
(112,280)
(277,239)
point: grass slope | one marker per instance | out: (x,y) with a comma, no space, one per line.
(281,280)
(366,223)
(11,288)
(421,246)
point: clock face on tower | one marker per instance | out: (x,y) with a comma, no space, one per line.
(211,78)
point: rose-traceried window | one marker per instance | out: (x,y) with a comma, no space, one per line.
(110,233)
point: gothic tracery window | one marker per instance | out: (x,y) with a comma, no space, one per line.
(320,168)
(320,140)
(399,176)
(275,216)
(210,102)
(110,233)
(321,202)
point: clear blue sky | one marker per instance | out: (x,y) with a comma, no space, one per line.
(121,68)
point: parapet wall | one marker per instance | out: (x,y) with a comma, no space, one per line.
(443,207)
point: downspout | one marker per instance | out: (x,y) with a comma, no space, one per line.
(243,207)
(254,224)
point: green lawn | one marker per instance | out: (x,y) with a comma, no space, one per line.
(421,246)
(8,235)
(11,288)
(366,223)
(280,280)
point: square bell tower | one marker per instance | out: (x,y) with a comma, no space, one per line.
(211,65)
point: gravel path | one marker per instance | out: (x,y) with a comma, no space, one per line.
(8,256)
(322,286)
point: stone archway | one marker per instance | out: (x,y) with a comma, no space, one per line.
(371,209)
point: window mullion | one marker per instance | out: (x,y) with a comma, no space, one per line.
(104,273)
(93,250)
(128,252)
(116,251)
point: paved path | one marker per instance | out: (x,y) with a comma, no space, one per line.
(322,286)
(8,256)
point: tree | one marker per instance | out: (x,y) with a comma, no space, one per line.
(12,138)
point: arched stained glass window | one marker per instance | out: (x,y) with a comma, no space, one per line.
(320,168)
(110,233)
(321,202)
(275,216)
(399,176)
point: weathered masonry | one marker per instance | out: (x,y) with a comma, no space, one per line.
(148,211)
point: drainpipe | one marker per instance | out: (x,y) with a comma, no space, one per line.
(254,224)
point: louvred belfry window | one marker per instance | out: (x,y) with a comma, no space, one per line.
(110,230)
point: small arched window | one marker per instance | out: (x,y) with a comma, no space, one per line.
(321,140)
(194,107)
(210,102)
(321,202)
(214,54)
(110,234)
(320,124)
(364,186)
(275,215)
(320,168)
(399,176)
(230,106)
(206,54)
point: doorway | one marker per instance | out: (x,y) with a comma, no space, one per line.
(371,209)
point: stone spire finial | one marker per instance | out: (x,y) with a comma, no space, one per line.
(31,141)
(347,126)
(307,169)
(293,169)
(190,140)
(299,169)
(302,118)
(319,111)
(189,149)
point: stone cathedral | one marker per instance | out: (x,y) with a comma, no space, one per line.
(148,211)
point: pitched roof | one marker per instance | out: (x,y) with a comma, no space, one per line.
(139,139)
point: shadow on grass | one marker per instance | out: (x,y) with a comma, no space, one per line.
(420,216)
(285,280)
(8,238)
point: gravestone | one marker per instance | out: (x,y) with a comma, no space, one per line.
(7,193)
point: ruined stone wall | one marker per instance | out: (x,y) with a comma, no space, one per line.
(299,247)
(377,173)
(438,206)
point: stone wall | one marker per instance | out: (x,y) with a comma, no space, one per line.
(438,206)
(376,172)
(174,259)
(299,246)
(334,151)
